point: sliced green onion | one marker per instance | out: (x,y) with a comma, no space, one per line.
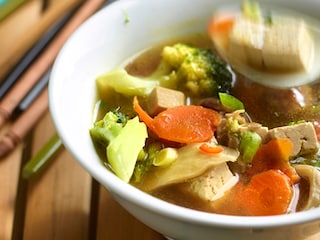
(249,144)
(165,157)
(230,101)
(251,10)
(43,157)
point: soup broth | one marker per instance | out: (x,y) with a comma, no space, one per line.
(269,106)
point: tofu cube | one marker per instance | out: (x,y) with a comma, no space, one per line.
(213,184)
(288,45)
(303,137)
(246,42)
(162,98)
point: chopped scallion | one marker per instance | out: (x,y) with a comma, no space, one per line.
(230,101)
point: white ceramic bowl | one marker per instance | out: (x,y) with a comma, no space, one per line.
(99,45)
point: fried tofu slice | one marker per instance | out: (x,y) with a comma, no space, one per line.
(288,45)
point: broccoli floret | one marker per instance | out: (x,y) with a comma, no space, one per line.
(123,139)
(144,165)
(182,67)
(108,128)
(198,70)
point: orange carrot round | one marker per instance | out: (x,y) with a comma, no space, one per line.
(274,154)
(182,124)
(267,193)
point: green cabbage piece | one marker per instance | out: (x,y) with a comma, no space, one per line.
(123,151)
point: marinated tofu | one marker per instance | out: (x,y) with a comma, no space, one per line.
(288,45)
(162,98)
(303,137)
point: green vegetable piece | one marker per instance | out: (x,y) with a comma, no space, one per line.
(165,157)
(249,144)
(198,70)
(107,129)
(230,101)
(268,18)
(296,122)
(145,162)
(124,83)
(193,69)
(126,16)
(233,126)
(43,157)
(123,151)
(251,9)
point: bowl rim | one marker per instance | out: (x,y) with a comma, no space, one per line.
(138,197)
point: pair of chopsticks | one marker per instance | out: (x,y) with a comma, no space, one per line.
(26,99)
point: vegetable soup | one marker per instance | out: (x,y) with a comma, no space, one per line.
(181,123)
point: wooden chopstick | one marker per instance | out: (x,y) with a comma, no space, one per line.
(44,61)
(26,121)
(26,61)
(10,57)
(46,154)
(23,125)
(32,95)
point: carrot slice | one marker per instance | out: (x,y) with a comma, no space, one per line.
(143,116)
(182,124)
(186,124)
(206,148)
(221,24)
(274,155)
(267,193)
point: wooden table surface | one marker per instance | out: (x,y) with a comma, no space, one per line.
(62,202)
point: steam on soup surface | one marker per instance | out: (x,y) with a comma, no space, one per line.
(179,123)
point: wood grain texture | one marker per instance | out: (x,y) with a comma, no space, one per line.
(45,60)
(114,222)
(58,199)
(22,126)
(19,46)
(9,175)
(14,26)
